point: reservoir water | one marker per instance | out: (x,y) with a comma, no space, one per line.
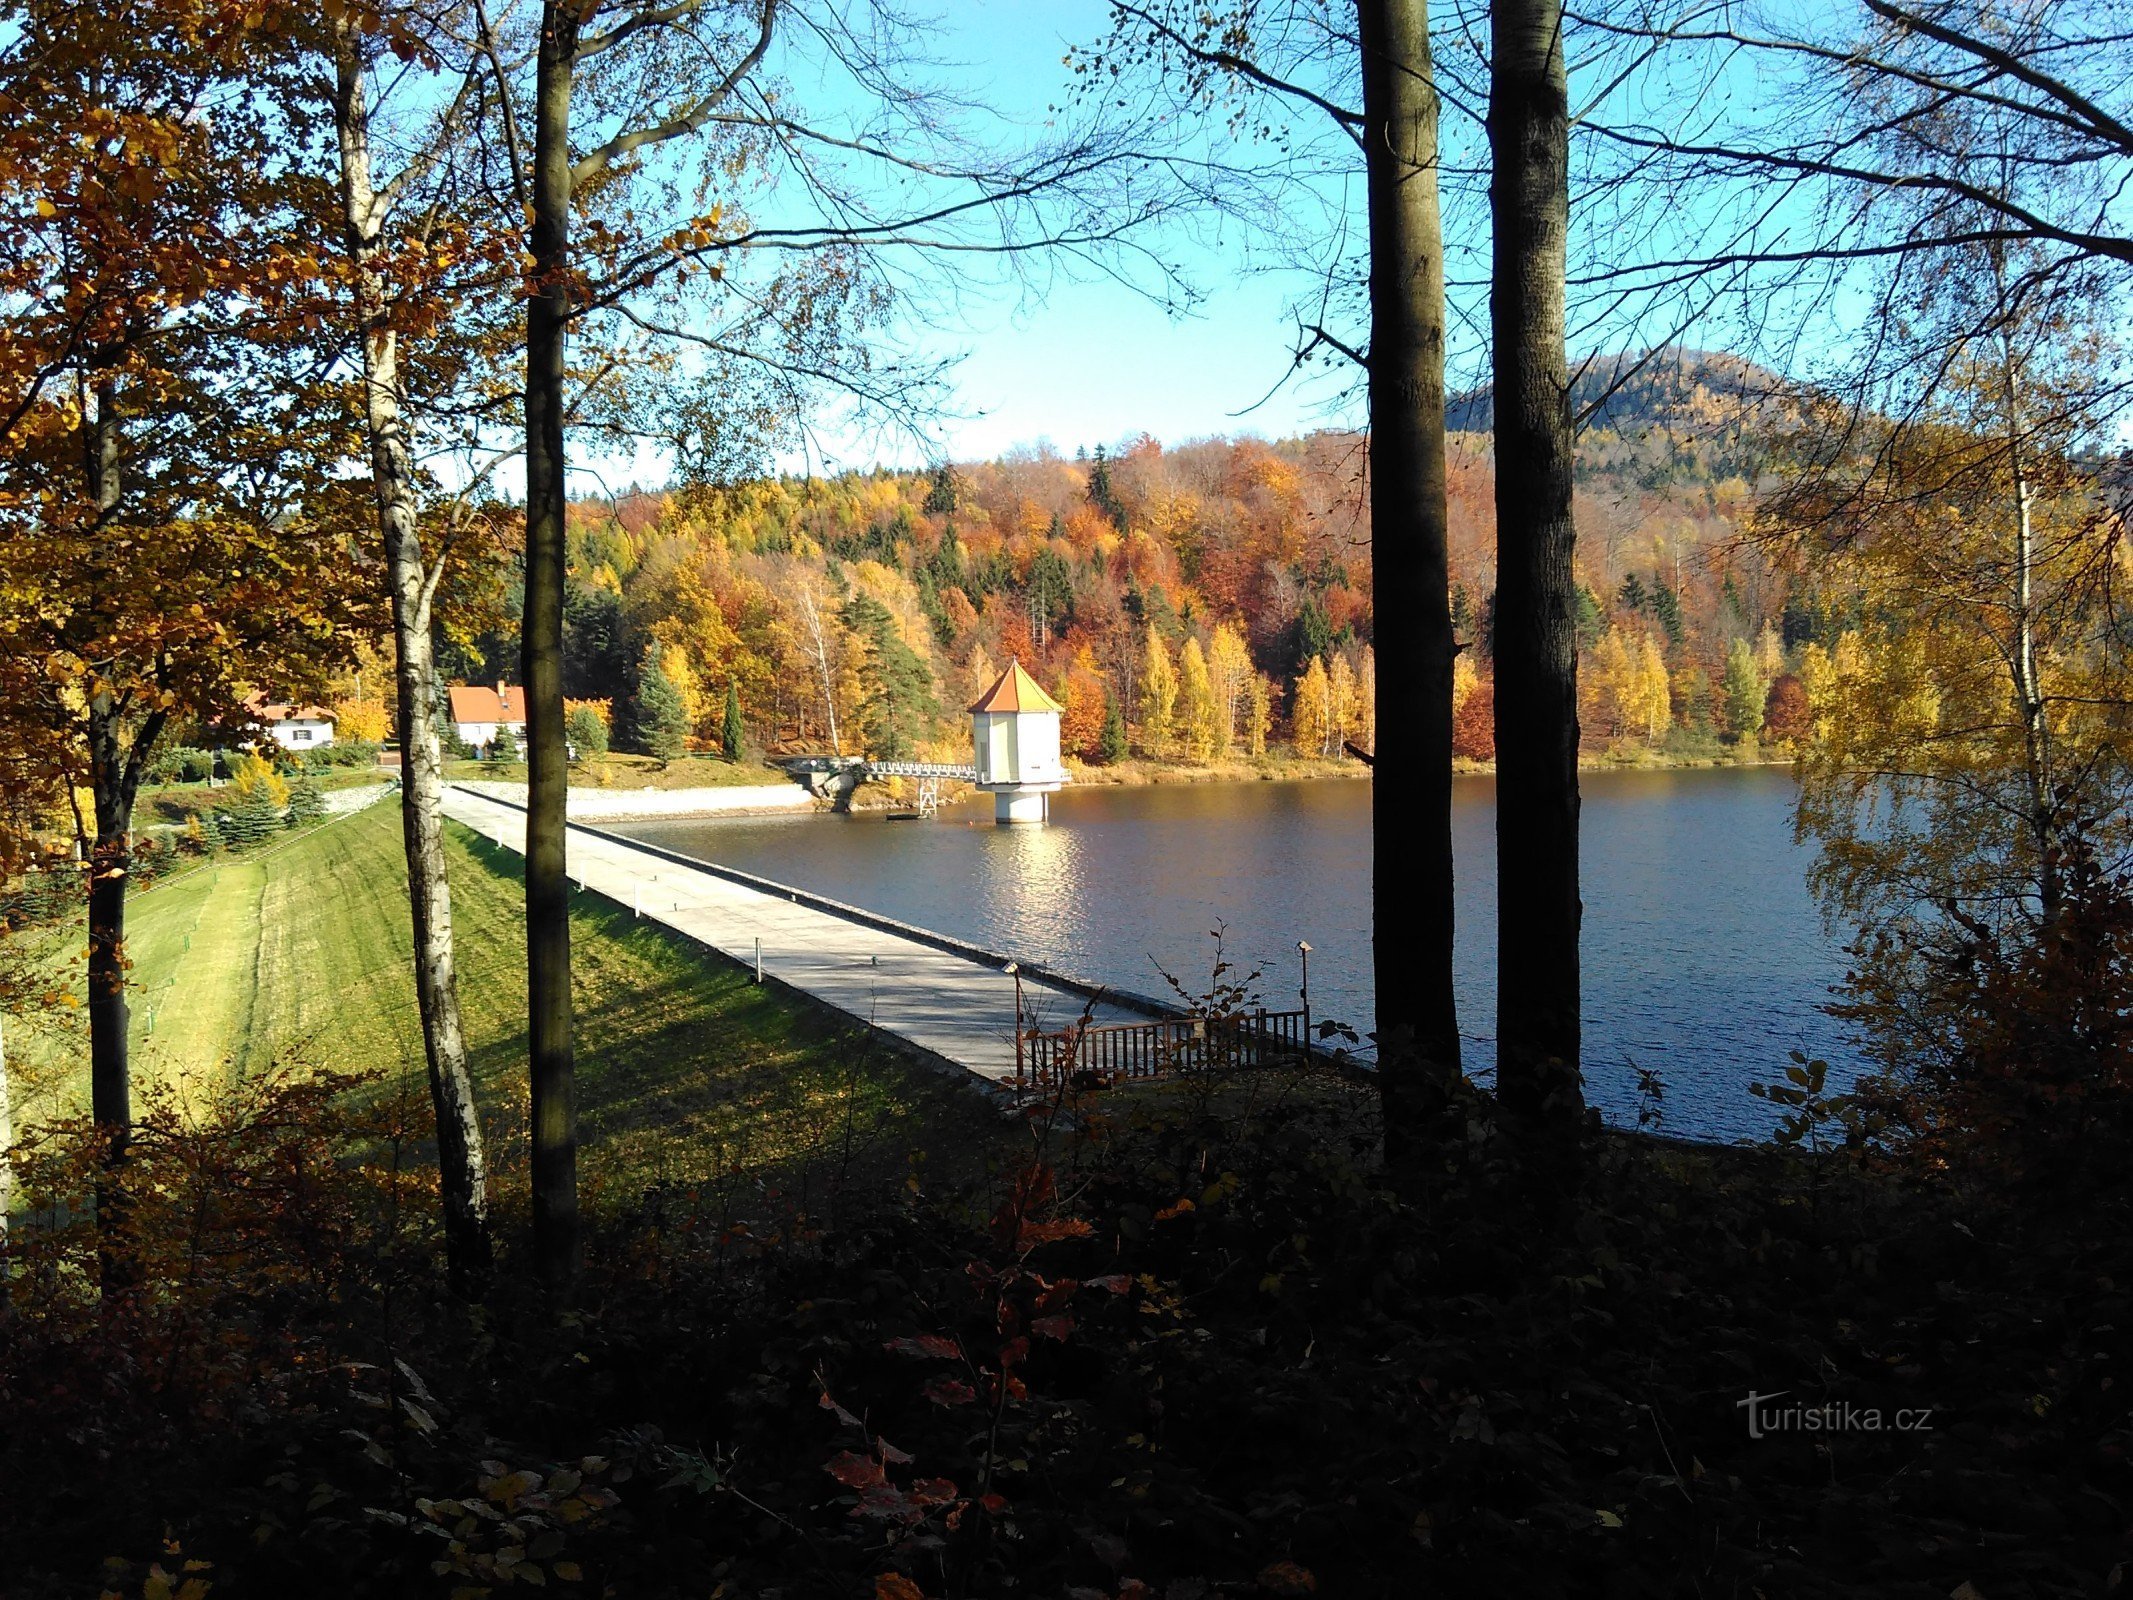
(1705,958)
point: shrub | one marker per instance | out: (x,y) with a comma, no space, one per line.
(306,804)
(1692,743)
(503,749)
(45,895)
(342,753)
(149,860)
(2008,1051)
(182,764)
(585,730)
(249,821)
(254,778)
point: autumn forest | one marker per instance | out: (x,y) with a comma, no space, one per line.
(1216,595)
(1614,522)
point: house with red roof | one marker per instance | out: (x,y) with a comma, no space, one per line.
(478,712)
(293,727)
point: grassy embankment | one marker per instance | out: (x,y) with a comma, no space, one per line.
(623,770)
(174,802)
(300,955)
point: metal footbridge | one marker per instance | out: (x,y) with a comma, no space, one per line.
(837,776)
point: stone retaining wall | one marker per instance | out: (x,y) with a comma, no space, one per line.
(628,805)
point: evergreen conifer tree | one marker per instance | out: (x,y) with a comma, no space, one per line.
(732,735)
(899,704)
(662,720)
(1666,606)
(1112,744)
(1742,691)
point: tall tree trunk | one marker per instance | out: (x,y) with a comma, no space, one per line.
(2028,692)
(112,783)
(1411,804)
(555,1116)
(7,1177)
(822,663)
(1537,904)
(462,1168)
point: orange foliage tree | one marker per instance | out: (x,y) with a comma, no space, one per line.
(171,520)
(1474,723)
(1081,691)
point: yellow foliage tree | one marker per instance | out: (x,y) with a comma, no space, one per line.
(1769,653)
(1340,703)
(1199,727)
(371,720)
(1310,710)
(674,662)
(1655,703)
(1229,672)
(1258,715)
(1465,675)
(253,775)
(1159,695)
(1973,726)
(1363,726)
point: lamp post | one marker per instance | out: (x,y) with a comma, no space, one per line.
(1014,970)
(1303,949)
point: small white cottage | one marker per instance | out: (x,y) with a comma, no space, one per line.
(477,713)
(293,727)
(1014,728)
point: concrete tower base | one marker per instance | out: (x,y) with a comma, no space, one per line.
(1011,806)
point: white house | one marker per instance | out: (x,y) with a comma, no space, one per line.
(293,727)
(1014,729)
(478,712)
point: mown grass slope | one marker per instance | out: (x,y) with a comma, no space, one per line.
(299,956)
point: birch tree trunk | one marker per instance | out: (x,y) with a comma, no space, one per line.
(822,662)
(2028,693)
(1411,803)
(1537,906)
(555,1133)
(462,1167)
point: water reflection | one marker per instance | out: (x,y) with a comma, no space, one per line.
(1704,957)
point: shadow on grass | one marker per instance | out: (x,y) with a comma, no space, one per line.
(687,1068)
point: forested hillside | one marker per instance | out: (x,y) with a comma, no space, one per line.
(1215,594)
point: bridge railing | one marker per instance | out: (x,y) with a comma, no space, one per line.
(1129,1051)
(921,769)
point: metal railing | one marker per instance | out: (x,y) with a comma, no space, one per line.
(1128,1051)
(923,769)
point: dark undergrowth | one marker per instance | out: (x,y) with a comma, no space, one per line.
(1192,1346)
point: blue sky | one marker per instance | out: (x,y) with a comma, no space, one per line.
(1070,358)
(1076,359)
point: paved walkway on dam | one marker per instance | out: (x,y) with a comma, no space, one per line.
(950,999)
